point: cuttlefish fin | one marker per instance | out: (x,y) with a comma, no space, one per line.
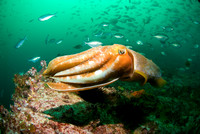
(141,76)
(158,82)
(68,87)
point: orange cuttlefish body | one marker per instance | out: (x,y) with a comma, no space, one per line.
(101,66)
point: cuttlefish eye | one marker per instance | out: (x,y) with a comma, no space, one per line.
(121,51)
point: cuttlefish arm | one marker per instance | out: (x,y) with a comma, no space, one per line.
(99,67)
(76,87)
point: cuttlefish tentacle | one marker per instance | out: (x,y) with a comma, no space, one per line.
(77,87)
(101,66)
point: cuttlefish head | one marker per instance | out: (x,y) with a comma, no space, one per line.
(144,70)
(98,67)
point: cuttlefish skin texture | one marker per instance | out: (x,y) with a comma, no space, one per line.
(101,66)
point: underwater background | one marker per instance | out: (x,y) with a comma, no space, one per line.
(168,32)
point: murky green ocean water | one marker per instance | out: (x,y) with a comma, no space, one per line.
(165,31)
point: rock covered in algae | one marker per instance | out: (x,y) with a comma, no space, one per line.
(32,98)
(38,109)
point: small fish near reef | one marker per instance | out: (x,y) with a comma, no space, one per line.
(21,42)
(101,66)
(34,59)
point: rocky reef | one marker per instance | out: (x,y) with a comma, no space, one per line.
(119,108)
(38,109)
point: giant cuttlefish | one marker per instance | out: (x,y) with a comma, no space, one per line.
(100,66)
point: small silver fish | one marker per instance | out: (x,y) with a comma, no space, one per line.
(189,59)
(104,24)
(46,17)
(163,53)
(21,42)
(59,41)
(118,35)
(161,37)
(139,42)
(176,45)
(94,43)
(196,46)
(196,22)
(34,59)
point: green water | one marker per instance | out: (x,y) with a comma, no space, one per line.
(77,20)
